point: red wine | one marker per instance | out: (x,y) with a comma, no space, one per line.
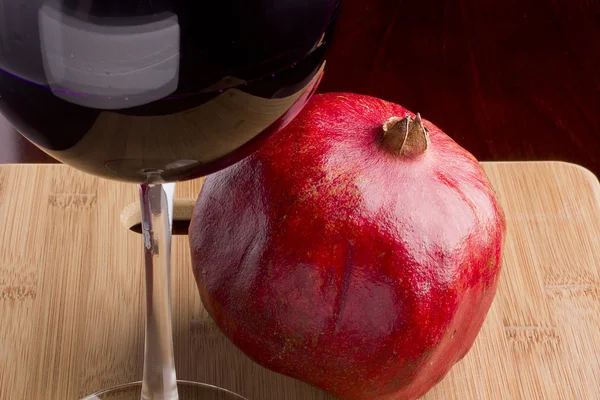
(158,89)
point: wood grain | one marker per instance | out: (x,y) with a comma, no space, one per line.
(71,291)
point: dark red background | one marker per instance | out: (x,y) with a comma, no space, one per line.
(508,80)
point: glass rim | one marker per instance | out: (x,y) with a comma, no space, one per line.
(94,396)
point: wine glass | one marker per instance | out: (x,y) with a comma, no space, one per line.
(153,92)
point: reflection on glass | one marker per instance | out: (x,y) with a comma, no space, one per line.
(106,64)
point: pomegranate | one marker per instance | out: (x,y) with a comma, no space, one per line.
(358,250)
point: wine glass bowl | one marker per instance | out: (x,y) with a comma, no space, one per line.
(115,87)
(154,92)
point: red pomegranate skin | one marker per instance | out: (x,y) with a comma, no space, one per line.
(326,258)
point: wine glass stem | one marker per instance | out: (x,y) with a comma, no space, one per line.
(159,382)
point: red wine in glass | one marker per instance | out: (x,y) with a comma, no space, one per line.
(180,88)
(153,92)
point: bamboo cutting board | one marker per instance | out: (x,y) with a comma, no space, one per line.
(71,291)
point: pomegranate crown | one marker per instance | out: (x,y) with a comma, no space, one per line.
(405,137)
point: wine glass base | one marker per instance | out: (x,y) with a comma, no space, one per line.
(187,391)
